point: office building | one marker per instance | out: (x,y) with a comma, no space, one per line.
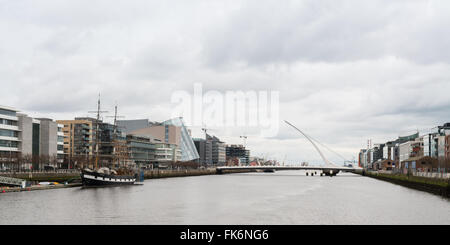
(166,153)
(171,132)
(218,150)
(204,149)
(9,136)
(127,126)
(29,143)
(141,150)
(186,144)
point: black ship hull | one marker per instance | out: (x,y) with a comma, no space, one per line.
(98,179)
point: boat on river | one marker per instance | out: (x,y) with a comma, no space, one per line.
(123,174)
(106,176)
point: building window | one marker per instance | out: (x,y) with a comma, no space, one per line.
(8,143)
(8,133)
(8,122)
(166,133)
(7,112)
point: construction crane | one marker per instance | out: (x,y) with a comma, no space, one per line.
(245,139)
(205,130)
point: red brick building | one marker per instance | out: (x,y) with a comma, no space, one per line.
(425,164)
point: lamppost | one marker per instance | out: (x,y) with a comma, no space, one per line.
(10,153)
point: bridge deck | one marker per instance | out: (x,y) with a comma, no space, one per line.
(288,168)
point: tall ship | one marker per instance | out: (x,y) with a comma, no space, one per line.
(118,172)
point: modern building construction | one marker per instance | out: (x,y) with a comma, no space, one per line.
(238,152)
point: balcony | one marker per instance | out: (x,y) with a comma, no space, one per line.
(10,127)
(12,149)
(12,118)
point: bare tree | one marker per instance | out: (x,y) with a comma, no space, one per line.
(27,160)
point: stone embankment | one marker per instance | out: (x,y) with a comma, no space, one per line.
(53,176)
(438,186)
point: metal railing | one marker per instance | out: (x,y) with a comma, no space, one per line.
(10,181)
(431,174)
(40,171)
(418,173)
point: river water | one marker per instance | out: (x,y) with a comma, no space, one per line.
(283,197)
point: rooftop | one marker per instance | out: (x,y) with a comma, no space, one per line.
(7,108)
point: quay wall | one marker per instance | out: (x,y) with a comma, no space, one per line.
(166,173)
(44,176)
(436,186)
(160,173)
(74,175)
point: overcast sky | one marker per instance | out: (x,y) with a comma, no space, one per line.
(346,71)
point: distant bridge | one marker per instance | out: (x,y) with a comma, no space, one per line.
(326,170)
(329,169)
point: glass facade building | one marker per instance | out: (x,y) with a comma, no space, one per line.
(187,146)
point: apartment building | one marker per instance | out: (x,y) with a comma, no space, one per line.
(81,140)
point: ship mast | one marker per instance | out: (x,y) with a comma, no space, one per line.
(118,150)
(97,129)
(115,139)
(96,133)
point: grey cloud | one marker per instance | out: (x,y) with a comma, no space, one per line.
(330,31)
(346,71)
